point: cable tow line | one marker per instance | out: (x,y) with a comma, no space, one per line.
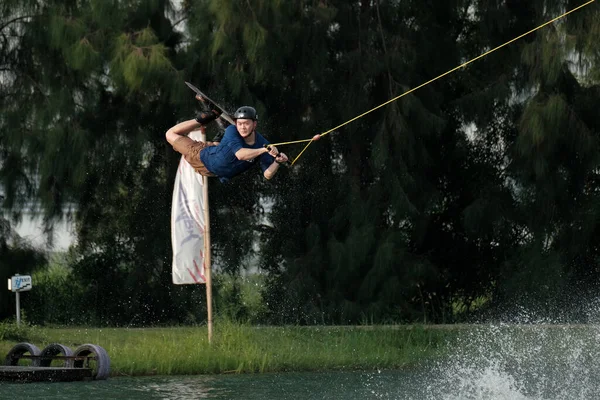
(317,137)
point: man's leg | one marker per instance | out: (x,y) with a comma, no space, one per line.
(208,107)
(205,117)
(190,150)
(223,124)
(211,112)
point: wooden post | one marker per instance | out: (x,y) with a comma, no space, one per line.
(207,254)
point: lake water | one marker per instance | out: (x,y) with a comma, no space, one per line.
(490,362)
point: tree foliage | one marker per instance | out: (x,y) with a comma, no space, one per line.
(479,185)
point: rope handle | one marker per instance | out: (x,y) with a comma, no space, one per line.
(286,163)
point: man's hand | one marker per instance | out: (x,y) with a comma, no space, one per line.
(281,158)
(270,172)
(272,150)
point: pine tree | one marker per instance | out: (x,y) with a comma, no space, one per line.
(89,93)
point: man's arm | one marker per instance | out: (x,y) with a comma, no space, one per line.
(250,154)
(181,129)
(273,168)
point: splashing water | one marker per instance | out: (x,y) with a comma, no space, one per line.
(537,362)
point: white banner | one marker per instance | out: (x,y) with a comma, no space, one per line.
(188,224)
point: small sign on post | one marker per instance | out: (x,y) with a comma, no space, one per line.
(17,284)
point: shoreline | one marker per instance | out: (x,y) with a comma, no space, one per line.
(238,348)
(241,349)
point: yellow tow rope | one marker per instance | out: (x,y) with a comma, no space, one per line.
(426,83)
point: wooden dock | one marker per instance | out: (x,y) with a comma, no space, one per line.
(43,374)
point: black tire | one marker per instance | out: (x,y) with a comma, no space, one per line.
(14,355)
(100,366)
(55,349)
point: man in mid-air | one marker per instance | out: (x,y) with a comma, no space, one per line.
(240,148)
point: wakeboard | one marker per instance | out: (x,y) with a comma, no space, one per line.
(225,115)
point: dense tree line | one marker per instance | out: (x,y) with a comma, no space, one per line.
(479,188)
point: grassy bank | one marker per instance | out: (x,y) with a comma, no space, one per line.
(241,348)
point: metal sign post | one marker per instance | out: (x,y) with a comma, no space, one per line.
(18,284)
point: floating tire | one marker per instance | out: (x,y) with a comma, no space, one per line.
(20,349)
(55,349)
(100,364)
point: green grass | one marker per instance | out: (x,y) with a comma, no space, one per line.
(238,348)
